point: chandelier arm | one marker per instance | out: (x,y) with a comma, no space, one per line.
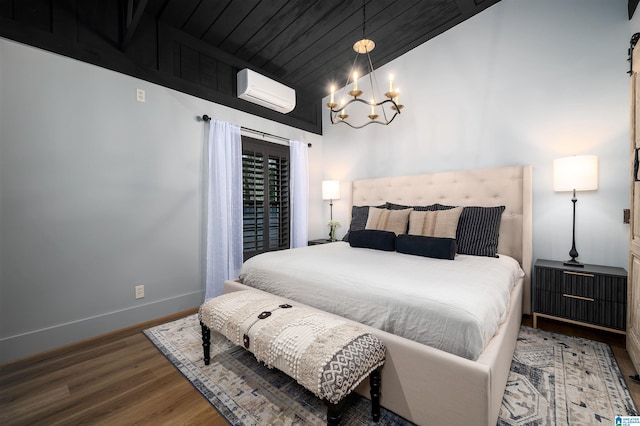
(367,123)
(341,107)
(384,112)
(333,113)
(393,105)
(372,77)
(371,73)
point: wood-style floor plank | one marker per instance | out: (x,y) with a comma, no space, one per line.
(121,378)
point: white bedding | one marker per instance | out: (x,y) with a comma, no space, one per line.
(452,305)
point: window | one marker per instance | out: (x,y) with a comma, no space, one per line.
(265,196)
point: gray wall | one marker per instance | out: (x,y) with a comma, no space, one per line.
(523,82)
(98,193)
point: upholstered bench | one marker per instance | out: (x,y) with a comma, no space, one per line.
(327,355)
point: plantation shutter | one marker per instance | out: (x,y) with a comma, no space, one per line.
(265,190)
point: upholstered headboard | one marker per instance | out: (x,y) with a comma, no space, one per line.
(506,186)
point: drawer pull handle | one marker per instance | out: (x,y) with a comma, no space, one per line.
(588,299)
(582,274)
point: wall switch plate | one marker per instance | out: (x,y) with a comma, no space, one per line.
(626,216)
(140,95)
(139,291)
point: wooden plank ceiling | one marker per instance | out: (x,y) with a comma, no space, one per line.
(198,46)
(308,44)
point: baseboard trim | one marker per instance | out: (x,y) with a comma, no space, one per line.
(56,337)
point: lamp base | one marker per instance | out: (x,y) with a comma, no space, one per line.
(573,263)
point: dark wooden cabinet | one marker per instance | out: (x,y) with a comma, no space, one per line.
(594,296)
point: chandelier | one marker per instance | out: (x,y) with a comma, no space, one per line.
(376,109)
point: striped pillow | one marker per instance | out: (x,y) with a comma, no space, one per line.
(478,230)
(439,223)
(388,220)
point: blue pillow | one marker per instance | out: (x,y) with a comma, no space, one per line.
(373,239)
(436,247)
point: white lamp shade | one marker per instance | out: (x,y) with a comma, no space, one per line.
(330,190)
(579,172)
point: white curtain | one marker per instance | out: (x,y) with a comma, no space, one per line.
(299,183)
(224,206)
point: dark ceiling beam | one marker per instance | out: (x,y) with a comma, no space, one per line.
(632,6)
(132,19)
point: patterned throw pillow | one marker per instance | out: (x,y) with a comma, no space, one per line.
(439,223)
(478,230)
(388,220)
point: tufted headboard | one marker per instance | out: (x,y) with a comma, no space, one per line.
(505,186)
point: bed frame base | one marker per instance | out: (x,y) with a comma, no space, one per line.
(428,386)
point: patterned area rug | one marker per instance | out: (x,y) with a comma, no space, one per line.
(554,380)
(561,380)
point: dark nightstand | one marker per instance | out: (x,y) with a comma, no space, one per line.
(593,296)
(320,241)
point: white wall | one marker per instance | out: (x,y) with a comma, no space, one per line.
(99,193)
(523,82)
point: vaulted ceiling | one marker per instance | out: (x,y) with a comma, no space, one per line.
(307,44)
(197,46)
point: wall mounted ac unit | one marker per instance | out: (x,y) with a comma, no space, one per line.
(257,88)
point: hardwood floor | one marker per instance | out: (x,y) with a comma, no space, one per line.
(116,379)
(121,378)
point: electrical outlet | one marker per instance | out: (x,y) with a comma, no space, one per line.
(139,291)
(140,95)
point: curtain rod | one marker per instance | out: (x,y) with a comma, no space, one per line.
(206,118)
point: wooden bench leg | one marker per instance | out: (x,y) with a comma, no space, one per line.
(206,343)
(334,413)
(375,380)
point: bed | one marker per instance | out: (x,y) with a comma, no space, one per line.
(428,385)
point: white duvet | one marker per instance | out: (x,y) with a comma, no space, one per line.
(452,305)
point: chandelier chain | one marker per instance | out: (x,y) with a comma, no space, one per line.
(364,18)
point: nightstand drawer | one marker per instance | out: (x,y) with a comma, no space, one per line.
(597,312)
(547,279)
(612,288)
(578,284)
